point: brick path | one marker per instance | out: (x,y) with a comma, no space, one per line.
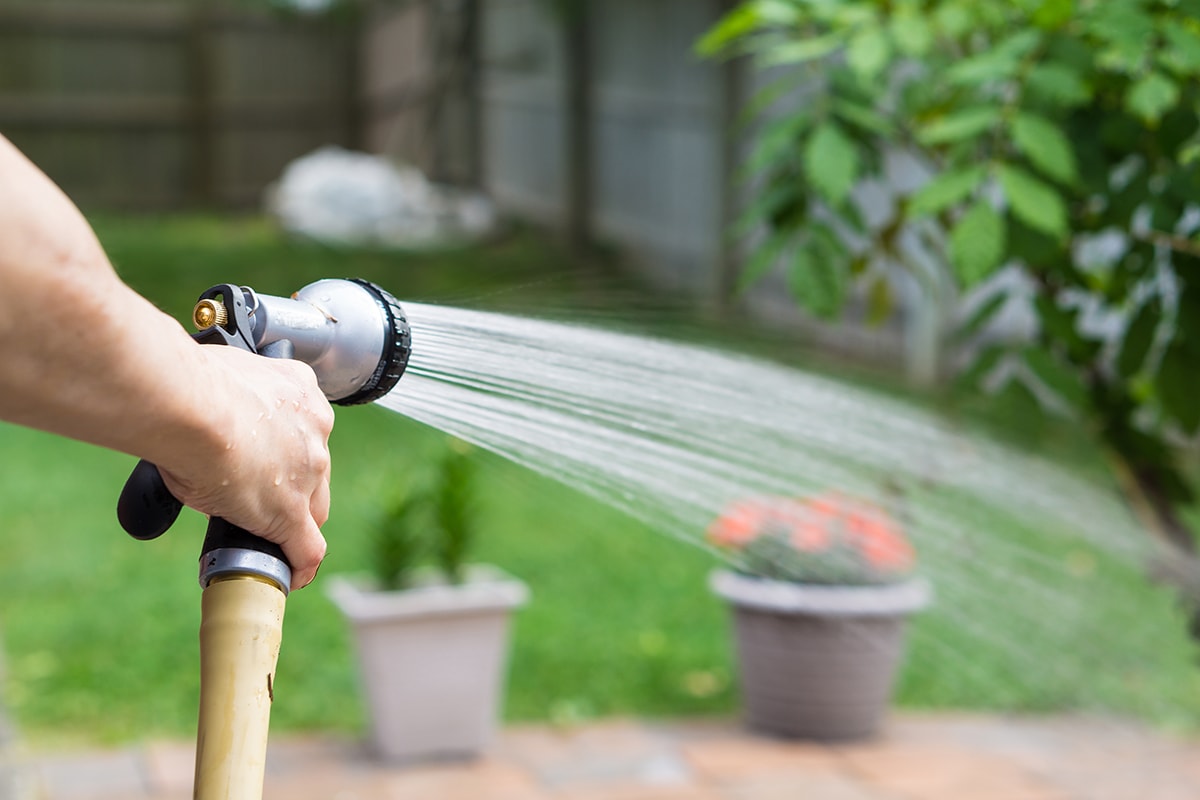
(918,757)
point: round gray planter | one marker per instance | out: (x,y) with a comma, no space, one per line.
(818,662)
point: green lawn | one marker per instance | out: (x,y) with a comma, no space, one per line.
(100,630)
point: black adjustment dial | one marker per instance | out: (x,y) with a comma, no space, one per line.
(396,349)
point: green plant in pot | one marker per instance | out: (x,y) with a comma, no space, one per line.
(821,589)
(431,629)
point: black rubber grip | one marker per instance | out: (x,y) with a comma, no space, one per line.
(222,534)
(146,508)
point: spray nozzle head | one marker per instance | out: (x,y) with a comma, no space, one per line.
(351,332)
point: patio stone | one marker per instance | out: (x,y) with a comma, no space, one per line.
(917,757)
(723,759)
(945,771)
(169,768)
(104,774)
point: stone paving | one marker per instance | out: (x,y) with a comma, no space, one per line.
(917,757)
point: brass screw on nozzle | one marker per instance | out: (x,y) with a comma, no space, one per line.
(208,313)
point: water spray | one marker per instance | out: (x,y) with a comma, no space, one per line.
(356,338)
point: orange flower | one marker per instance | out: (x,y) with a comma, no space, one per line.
(740,524)
(852,535)
(812,524)
(880,540)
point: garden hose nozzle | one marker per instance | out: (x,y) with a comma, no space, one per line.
(351,332)
(356,338)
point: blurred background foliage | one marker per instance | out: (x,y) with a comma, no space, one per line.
(1056,141)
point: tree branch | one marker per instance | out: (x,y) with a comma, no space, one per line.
(1180,244)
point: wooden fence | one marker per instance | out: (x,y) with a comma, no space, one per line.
(169,103)
(420,86)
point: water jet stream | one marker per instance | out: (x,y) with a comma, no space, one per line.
(671,433)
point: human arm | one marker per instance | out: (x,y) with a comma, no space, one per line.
(234,435)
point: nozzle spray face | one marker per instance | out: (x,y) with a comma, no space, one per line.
(392,357)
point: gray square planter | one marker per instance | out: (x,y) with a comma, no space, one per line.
(432,661)
(817,662)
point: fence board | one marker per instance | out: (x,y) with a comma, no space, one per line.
(155,104)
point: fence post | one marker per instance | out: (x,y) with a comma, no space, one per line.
(579,86)
(471,54)
(355,105)
(731,82)
(202,104)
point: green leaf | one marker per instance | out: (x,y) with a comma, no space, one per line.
(1177,384)
(761,260)
(782,204)
(974,323)
(776,143)
(868,52)
(983,68)
(1046,146)
(1060,378)
(734,26)
(777,12)
(831,163)
(1054,13)
(945,190)
(1139,336)
(953,20)
(911,33)
(1035,203)
(1183,53)
(1057,84)
(981,367)
(817,279)
(1152,96)
(863,117)
(797,52)
(965,124)
(977,243)
(1058,323)
(1128,31)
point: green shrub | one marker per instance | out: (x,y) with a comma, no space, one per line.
(433,523)
(1043,125)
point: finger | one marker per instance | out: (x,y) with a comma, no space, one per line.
(319,503)
(305,553)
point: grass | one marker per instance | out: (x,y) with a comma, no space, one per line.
(100,630)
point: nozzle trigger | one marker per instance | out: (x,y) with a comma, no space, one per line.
(146,508)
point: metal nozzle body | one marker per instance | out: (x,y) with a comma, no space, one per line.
(335,326)
(351,332)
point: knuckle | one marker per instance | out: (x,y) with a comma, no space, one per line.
(319,460)
(325,418)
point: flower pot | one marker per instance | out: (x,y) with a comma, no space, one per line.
(432,661)
(818,662)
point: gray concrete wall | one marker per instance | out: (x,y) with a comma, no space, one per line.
(656,133)
(660,116)
(521,94)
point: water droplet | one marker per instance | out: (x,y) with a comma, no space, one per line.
(225,482)
(279,403)
(296,404)
(278,479)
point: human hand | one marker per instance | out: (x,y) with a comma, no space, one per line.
(264,465)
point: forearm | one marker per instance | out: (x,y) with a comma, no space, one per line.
(83,355)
